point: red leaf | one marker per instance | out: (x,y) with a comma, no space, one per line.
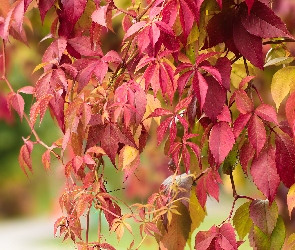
(262,21)
(225,115)
(240,123)
(82,44)
(73,10)
(212,181)
(159,112)
(221,141)
(244,103)
(200,88)
(133,29)
(110,135)
(215,99)
(250,46)
(44,6)
(214,72)
(24,158)
(285,159)
(264,173)
(223,65)
(256,133)
(249,5)
(290,112)
(183,104)
(201,58)
(247,153)
(186,16)
(267,113)
(201,191)
(183,80)
(18,103)
(161,130)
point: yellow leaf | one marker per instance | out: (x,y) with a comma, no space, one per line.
(197,213)
(129,154)
(291,199)
(282,83)
(152,104)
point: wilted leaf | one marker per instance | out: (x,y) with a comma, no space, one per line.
(264,215)
(24,158)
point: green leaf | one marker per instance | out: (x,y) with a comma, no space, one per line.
(291,199)
(242,221)
(278,235)
(194,35)
(261,239)
(283,82)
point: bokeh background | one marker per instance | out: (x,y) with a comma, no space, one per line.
(29,206)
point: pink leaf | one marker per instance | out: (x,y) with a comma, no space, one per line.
(134,28)
(82,45)
(256,133)
(221,141)
(24,158)
(27,90)
(267,113)
(160,112)
(245,80)
(244,103)
(264,173)
(241,123)
(18,103)
(225,115)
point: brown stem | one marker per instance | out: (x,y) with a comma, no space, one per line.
(99,227)
(256,90)
(246,66)
(145,10)
(87,226)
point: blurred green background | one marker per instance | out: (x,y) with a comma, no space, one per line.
(29,206)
